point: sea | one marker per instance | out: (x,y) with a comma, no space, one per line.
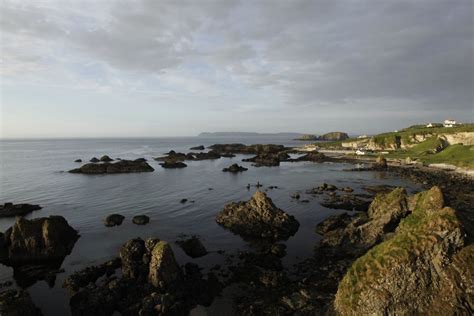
(35,171)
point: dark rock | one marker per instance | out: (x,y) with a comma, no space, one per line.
(333,222)
(78,160)
(193,247)
(295,196)
(140,160)
(200,147)
(141,219)
(380,163)
(265,159)
(17,303)
(346,202)
(10,209)
(122,166)
(278,250)
(94,159)
(173,164)
(311,156)
(45,239)
(258,218)
(113,220)
(183,201)
(106,158)
(234,168)
(132,255)
(382,188)
(91,274)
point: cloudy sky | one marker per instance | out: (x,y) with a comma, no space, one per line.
(177,68)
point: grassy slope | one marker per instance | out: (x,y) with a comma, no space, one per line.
(458,155)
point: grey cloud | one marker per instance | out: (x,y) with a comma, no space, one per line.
(308,52)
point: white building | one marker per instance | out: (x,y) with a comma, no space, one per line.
(449,123)
(429,125)
(360,152)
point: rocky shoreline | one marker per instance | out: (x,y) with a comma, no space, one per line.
(424,241)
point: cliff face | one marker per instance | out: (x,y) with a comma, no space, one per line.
(420,268)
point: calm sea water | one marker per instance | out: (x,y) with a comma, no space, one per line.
(33,171)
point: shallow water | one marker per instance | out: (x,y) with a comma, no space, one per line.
(33,172)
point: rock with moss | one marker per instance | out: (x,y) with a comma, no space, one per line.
(44,239)
(258,218)
(164,271)
(408,273)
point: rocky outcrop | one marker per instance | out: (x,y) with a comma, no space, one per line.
(413,271)
(17,303)
(380,163)
(122,166)
(113,220)
(258,218)
(173,164)
(334,136)
(364,231)
(193,247)
(234,168)
(45,239)
(94,159)
(10,209)
(151,283)
(250,149)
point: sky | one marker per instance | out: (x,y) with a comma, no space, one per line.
(150,68)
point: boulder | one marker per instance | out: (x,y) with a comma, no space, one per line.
(333,222)
(78,160)
(258,218)
(193,247)
(106,158)
(265,159)
(10,209)
(141,220)
(164,271)
(414,271)
(94,159)
(17,303)
(235,168)
(45,239)
(122,166)
(113,220)
(82,278)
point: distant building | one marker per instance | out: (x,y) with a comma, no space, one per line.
(449,123)
(429,125)
(360,152)
(362,136)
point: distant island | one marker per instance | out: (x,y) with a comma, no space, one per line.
(248,134)
(332,136)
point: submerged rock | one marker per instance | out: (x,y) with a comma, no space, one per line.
(141,220)
(234,168)
(91,274)
(258,218)
(412,272)
(10,209)
(122,166)
(78,160)
(113,220)
(17,303)
(94,159)
(45,239)
(193,247)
